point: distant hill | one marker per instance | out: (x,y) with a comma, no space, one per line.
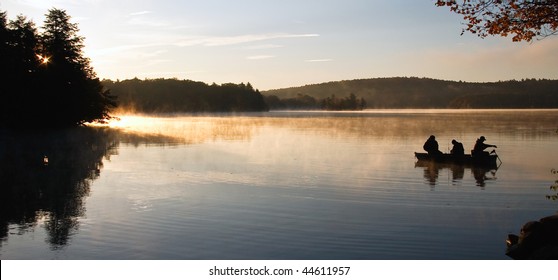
(429,93)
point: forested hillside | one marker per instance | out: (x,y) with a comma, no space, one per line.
(426,93)
(173,96)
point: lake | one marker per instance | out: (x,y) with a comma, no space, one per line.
(277,185)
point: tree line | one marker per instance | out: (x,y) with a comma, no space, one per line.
(174,96)
(307,102)
(412,92)
(46,80)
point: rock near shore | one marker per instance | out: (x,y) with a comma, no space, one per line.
(537,240)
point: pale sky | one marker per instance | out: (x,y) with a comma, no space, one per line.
(284,43)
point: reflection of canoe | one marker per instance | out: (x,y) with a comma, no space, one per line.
(485,161)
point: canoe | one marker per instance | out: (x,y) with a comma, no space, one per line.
(484,161)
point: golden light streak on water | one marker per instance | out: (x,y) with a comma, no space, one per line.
(186,129)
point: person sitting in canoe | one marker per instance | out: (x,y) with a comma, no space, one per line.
(480,146)
(457,149)
(431,146)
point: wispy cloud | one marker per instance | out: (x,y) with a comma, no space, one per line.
(47,4)
(263,47)
(258,57)
(146,19)
(139,13)
(148,23)
(169,74)
(240,39)
(118,49)
(43,4)
(152,62)
(319,60)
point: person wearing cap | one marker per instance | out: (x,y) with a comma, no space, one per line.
(478,150)
(431,146)
(457,149)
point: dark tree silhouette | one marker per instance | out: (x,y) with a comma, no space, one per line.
(48,81)
(179,96)
(523,19)
(19,68)
(348,103)
(77,94)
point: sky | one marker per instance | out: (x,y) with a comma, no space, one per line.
(286,43)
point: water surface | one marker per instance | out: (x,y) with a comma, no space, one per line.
(278,185)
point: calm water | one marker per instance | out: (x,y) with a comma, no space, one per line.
(279,185)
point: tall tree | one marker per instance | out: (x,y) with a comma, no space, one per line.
(523,19)
(4,69)
(76,94)
(23,44)
(20,66)
(61,41)
(4,40)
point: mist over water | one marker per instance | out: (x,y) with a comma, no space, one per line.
(278,185)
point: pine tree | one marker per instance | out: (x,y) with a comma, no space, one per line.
(75,93)
(19,69)
(46,79)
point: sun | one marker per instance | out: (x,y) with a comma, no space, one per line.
(43,59)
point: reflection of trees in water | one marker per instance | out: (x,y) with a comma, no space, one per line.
(46,176)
